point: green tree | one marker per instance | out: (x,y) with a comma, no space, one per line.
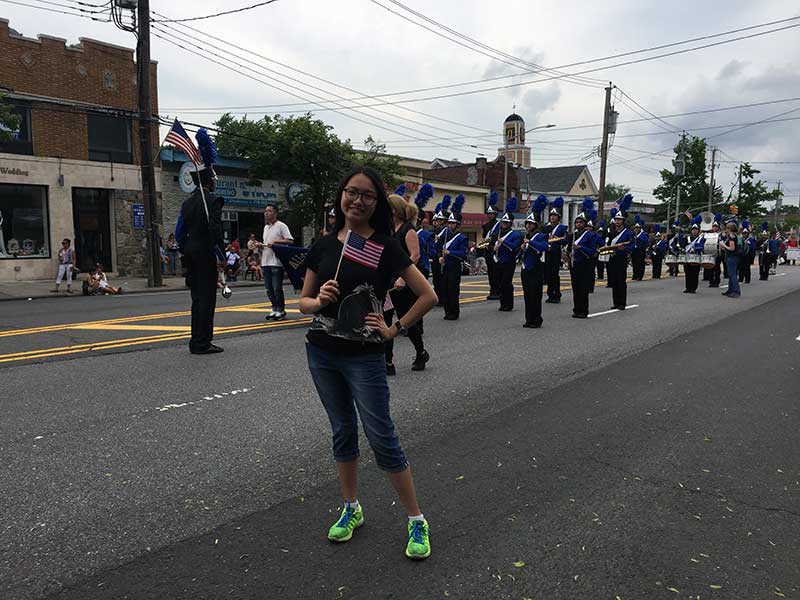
(301,149)
(9,122)
(692,185)
(752,193)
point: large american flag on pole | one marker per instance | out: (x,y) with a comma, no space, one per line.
(362,250)
(177,136)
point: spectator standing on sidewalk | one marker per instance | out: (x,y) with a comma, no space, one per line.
(275,232)
(66,263)
(172,254)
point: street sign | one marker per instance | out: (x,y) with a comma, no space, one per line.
(138,216)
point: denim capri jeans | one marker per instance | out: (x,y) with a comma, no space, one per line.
(358,381)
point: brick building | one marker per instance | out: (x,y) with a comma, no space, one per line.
(70,170)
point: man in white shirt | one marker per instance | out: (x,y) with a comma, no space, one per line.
(275,232)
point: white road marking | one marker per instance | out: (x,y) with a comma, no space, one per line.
(779,275)
(798,338)
(167,407)
(613,310)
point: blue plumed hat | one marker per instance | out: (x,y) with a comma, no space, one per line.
(511,207)
(458,204)
(401,190)
(208,154)
(539,205)
(558,203)
(424,194)
(494,197)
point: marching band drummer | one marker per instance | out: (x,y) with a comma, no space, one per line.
(676,246)
(533,249)
(557,233)
(505,256)
(694,245)
(583,251)
(659,251)
(715,273)
(454,253)
(621,244)
(601,233)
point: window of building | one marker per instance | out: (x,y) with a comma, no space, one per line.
(21,141)
(109,139)
(24,230)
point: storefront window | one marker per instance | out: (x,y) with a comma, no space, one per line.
(23,222)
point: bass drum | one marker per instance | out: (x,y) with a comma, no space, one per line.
(712,244)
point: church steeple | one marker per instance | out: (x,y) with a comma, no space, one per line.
(514,141)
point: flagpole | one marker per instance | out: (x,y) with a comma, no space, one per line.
(341,256)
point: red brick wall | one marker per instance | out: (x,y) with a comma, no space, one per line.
(47,67)
(491,177)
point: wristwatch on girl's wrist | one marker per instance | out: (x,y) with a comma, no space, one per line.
(400,329)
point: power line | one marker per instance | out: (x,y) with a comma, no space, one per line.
(584,62)
(393,123)
(219,14)
(434,117)
(54,10)
(586,81)
(229,67)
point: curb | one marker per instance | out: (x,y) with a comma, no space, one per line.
(77,294)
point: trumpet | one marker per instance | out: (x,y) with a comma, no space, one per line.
(484,244)
(554,240)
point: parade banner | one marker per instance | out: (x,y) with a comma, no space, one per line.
(292,258)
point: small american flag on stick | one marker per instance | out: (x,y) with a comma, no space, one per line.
(360,250)
(177,136)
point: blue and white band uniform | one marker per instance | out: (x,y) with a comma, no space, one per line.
(535,250)
(696,245)
(584,248)
(559,231)
(623,237)
(456,248)
(509,247)
(642,241)
(660,247)
(426,251)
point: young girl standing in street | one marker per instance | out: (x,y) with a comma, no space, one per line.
(349,272)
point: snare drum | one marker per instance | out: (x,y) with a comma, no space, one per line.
(708,260)
(604,258)
(671,259)
(793,254)
(693,259)
(682,258)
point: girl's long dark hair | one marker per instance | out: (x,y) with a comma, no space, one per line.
(381,220)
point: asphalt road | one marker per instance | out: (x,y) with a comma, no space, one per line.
(632,454)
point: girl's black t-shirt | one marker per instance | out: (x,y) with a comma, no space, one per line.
(323,258)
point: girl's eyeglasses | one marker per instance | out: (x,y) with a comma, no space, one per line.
(368,198)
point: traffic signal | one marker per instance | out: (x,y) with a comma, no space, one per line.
(734,209)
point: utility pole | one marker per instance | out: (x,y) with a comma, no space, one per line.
(146,145)
(711,185)
(778,203)
(604,151)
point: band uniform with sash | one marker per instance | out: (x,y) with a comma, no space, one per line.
(639,252)
(506,250)
(658,251)
(533,252)
(490,232)
(620,246)
(694,247)
(453,254)
(199,236)
(676,247)
(557,236)
(439,223)
(583,250)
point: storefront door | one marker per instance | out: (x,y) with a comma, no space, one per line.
(91,212)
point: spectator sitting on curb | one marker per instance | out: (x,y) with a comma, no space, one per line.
(97,283)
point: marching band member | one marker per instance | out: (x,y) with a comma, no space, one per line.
(716,272)
(490,231)
(763,253)
(621,244)
(601,266)
(505,256)
(533,251)
(676,246)
(658,251)
(746,261)
(694,245)
(557,233)
(454,253)
(640,242)
(729,243)
(611,233)
(598,241)
(439,231)
(583,251)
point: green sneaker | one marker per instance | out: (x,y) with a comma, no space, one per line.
(419,543)
(342,530)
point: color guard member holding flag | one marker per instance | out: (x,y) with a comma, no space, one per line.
(199,236)
(348,275)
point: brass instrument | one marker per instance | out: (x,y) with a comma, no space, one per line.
(555,240)
(483,245)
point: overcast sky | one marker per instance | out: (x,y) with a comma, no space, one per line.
(357,44)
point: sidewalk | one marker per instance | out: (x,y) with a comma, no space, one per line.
(24,290)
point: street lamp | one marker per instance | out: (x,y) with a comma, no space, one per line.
(505,159)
